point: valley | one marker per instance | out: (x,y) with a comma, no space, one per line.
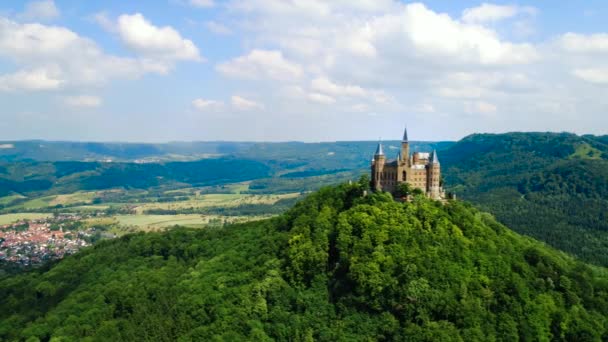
(550,186)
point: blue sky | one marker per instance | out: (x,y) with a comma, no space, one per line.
(270,70)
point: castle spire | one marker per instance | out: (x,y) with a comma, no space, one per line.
(379,150)
(399,156)
(434,158)
(405,135)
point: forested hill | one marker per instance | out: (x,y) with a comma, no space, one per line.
(339,266)
(551,186)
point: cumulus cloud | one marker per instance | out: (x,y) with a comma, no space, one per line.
(207,105)
(326,86)
(402,60)
(40,10)
(259,64)
(153,41)
(481,107)
(321,98)
(53,57)
(492,13)
(35,79)
(584,43)
(597,75)
(202,3)
(217,28)
(244,104)
(103,19)
(83,101)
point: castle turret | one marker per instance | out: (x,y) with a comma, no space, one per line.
(434,177)
(378,167)
(405,146)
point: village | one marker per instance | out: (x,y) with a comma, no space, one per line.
(32,242)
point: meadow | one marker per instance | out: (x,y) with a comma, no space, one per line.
(12,218)
(122,211)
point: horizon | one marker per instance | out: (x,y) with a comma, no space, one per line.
(161,142)
(274,71)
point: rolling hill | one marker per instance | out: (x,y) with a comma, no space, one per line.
(338,266)
(550,186)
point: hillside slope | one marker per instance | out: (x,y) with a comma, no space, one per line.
(553,187)
(339,266)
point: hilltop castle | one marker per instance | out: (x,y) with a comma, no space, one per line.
(420,170)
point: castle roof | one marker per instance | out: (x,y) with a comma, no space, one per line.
(405,135)
(379,150)
(434,158)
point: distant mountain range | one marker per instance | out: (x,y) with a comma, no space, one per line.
(40,150)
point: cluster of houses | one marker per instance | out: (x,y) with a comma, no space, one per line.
(33,242)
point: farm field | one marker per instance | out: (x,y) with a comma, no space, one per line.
(11,218)
(51,201)
(156,222)
(215,200)
(116,212)
(8,199)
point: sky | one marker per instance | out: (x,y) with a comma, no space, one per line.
(300,70)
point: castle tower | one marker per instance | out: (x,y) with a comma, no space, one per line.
(405,146)
(378,167)
(434,177)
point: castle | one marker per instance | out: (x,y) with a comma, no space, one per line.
(420,170)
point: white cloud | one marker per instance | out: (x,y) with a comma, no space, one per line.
(244,104)
(584,43)
(40,10)
(83,101)
(103,19)
(217,28)
(155,42)
(36,79)
(202,3)
(207,105)
(437,35)
(321,98)
(597,75)
(461,92)
(492,13)
(261,64)
(50,57)
(480,107)
(326,86)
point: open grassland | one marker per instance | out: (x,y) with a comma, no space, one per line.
(36,203)
(11,218)
(54,200)
(89,208)
(9,199)
(586,151)
(157,222)
(216,200)
(77,197)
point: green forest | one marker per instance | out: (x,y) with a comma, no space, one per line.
(341,265)
(551,186)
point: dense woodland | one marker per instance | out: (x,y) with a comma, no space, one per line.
(553,187)
(339,266)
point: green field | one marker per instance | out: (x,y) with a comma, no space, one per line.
(586,151)
(156,222)
(9,199)
(11,218)
(215,200)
